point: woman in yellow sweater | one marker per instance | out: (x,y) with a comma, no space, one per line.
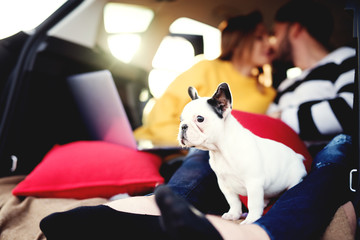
(244,47)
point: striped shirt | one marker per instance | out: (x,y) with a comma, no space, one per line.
(319,103)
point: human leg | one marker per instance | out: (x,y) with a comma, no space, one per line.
(100,222)
(304,211)
(180,220)
(196,182)
(104,222)
(136,205)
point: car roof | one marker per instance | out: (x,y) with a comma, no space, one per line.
(210,12)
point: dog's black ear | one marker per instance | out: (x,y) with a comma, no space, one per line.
(221,101)
(193,93)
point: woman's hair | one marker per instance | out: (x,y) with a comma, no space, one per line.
(237,33)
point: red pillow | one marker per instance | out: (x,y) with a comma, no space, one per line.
(87,169)
(274,129)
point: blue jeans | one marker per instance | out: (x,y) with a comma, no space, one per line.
(196,182)
(303,212)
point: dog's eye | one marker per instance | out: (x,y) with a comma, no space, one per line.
(200,118)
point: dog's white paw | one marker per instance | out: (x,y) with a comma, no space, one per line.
(231,216)
(250,219)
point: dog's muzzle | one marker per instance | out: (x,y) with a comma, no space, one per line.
(184,128)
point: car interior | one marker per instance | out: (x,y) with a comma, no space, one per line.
(67,48)
(37,106)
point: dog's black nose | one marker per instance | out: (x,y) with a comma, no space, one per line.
(184,127)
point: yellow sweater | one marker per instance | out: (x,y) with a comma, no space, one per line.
(163,121)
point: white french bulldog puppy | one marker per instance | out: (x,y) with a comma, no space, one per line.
(244,163)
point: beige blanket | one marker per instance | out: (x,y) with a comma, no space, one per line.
(20,217)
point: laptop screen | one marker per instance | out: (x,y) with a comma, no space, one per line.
(101,108)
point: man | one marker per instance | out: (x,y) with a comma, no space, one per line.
(318,103)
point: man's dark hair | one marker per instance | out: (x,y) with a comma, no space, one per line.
(315,17)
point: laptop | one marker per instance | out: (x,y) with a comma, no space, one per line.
(103,112)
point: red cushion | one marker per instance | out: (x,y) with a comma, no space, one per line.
(274,129)
(88,169)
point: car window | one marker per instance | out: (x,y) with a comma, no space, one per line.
(211,35)
(174,55)
(177,53)
(24,15)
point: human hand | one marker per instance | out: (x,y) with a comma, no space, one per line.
(276,114)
